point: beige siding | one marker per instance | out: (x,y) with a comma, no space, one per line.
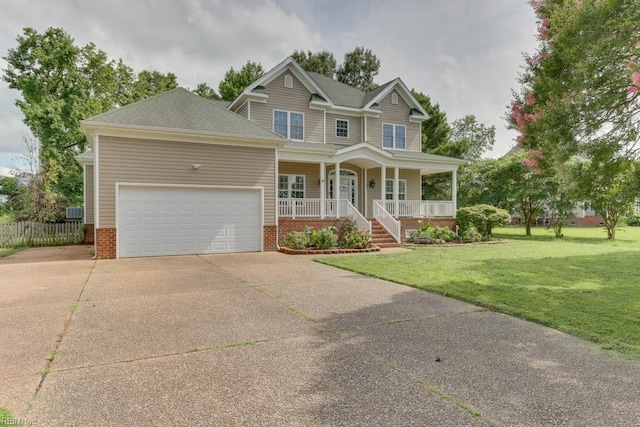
(289,99)
(394,114)
(89,206)
(167,162)
(243,110)
(355,130)
(414,185)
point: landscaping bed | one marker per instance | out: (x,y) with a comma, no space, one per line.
(313,251)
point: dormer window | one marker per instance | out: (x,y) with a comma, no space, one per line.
(288,81)
(394,98)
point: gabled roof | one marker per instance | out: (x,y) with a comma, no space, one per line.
(335,93)
(180,110)
(340,93)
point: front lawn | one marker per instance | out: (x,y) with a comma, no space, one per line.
(582,284)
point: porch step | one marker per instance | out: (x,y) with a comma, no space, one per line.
(380,237)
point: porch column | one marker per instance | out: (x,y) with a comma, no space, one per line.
(383,185)
(396,190)
(454,191)
(323,188)
(336,189)
(366,190)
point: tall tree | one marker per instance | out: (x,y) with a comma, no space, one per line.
(322,62)
(473,137)
(61,84)
(234,82)
(205,91)
(579,92)
(150,83)
(359,68)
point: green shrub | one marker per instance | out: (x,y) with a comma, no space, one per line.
(356,239)
(633,220)
(296,240)
(429,234)
(470,235)
(351,237)
(483,218)
(325,238)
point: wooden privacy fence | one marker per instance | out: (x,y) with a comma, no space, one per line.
(27,233)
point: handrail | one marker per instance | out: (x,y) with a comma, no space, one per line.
(363,223)
(387,221)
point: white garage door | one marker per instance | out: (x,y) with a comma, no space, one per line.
(178,221)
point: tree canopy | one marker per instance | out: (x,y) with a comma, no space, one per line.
(319,62)
(234,82)
(359,68)
(61,84)
(579,95)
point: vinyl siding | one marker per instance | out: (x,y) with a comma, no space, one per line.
(294,99)
(89,205)
(414,185)
(355,130)
(169,162)
(394,114)
(243,110)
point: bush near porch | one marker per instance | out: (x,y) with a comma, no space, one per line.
(347,237)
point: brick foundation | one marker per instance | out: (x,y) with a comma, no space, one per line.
(287,225)
(88,234)
(270,238)
(413,223)
(105,243)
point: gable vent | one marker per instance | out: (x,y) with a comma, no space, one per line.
(288,81)
(394,98)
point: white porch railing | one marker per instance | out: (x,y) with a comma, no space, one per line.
(299,208)
(419,208)
(363,223)
(310,208)
(387,220)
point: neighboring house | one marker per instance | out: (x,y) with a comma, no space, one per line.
(4,172)
(178,174)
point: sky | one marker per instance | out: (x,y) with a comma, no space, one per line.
(464,54)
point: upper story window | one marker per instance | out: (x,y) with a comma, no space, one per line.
(394,98)
(342,128)
(289,124)
(288,81)
(402,189)
(291,186)
(394,136)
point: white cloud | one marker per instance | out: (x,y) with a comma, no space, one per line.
(464,54)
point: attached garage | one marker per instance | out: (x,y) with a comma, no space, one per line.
(182,220)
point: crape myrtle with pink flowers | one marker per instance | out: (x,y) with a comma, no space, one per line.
(577,110)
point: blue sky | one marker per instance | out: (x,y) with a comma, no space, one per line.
(464,54)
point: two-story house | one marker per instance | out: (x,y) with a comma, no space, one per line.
(178,174)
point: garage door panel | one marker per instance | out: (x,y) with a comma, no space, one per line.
(173,221)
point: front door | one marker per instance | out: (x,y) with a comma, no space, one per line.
(348,186)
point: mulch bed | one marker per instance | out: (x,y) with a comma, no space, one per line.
(311,251)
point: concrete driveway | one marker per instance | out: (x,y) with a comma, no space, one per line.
(270,339)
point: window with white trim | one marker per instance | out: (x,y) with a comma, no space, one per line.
(288,81)
(402,189)
(291,186)
(289,124)
(342,128)
(394,136)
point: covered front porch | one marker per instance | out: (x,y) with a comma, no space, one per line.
(361,182)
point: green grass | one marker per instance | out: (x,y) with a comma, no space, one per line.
(582,284)
(10,251)
(6,417)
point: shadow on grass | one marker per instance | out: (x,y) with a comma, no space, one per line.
(596,297)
